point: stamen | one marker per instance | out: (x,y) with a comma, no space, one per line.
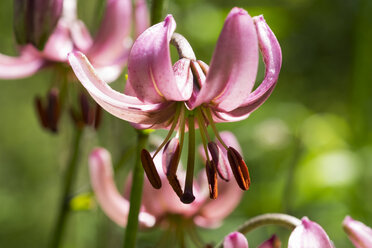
(171,157)
(188,196)
(239,168)
(85,109)
(53,109)
(97,116)
(202,134)
(41,112)
(213,149)
(150,169)
(211,171)
(214,128)
(171,130)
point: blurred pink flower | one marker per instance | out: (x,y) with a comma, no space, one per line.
(238,240)
(161,95)
(235,240)
(309,234)
(359,234)
(160,204)
(108,50)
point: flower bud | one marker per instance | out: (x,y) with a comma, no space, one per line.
(35,20)
(307,233)
(359,234)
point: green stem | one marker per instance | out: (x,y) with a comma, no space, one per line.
(157,11)
(285,220)
(68,184)
(135,194)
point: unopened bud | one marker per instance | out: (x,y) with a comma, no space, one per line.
(35,20)
(150,169)
(239,168)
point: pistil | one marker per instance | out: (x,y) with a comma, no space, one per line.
(188,196)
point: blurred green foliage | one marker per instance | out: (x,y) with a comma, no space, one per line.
(308,148)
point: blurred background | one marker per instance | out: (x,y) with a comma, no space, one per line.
(308,148)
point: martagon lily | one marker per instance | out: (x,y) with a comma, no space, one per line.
(190,93)
(108,50)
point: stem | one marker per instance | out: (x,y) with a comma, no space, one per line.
(183,47)
(68,184)
(285,220)
(157,11)
(136,193)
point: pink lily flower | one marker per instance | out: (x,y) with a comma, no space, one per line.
(161,95)
(273,242)
(309,234)
(160,204)
(359,234)
(108,50)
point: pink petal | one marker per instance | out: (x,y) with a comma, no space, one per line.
(359,234)
(307,233)
(59,43)
(122,106)
(112,203)
(109,43)
(212,212)
(234,64)
(141,17)
(224,166)
(23,66)
(235,240)
(80,36)
(272,56)
(150,67)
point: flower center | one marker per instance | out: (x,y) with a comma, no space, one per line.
(172,148)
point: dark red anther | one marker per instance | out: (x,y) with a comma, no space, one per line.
(41,112)
(175,183)
(214,151)
(86,111)
(150,169)
(239,168)
(211,171)
(97,117)
(171,156)
(53,110)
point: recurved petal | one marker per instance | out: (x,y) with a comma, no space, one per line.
(359,234)
(150,67)
(23,66)
(122,106)
(272,56)
(112,203)
(109,43)
(235,240)
(234,64)
(307,233)
(141,17)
